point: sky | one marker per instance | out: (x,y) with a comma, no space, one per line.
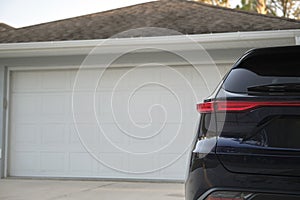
(20,13)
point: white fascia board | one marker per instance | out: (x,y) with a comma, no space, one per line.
(171,43)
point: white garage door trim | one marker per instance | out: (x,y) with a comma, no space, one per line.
(7,121)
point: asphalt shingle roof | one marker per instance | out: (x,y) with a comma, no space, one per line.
(5,27)
(186,17)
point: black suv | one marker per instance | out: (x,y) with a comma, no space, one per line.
(248,142)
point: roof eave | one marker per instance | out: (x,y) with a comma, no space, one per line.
(170,43)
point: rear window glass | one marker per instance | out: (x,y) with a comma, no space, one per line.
(263,67)
(240,79)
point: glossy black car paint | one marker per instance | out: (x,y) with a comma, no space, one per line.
(241,159)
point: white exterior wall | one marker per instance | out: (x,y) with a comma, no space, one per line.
(39,137)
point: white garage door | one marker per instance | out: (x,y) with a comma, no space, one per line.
(130,123)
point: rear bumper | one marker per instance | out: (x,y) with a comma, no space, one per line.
(207,175)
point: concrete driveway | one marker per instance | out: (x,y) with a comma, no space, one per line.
(23,189)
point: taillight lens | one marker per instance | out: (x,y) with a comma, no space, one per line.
(227,195)
(206,107)
(237,106)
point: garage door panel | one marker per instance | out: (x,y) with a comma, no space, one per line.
(118,132)
(25,104)
(112,159)
(175,170)
(25,134)
(24,162)
(55,81)
(52,162)
(53,134)
(142,163)
(26,81)
(81,163)
(54,104)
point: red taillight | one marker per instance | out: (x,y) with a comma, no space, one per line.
(205,107)
(236,106)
